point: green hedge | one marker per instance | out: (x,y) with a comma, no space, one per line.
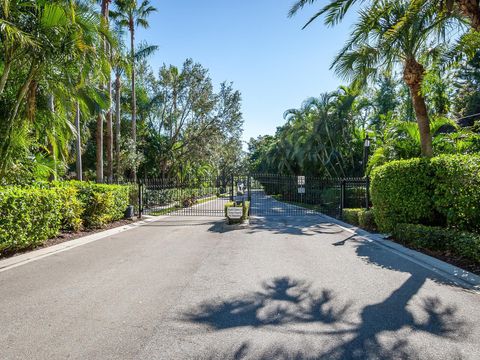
(28,216)
(31,215)
(351,216)
(443,191)
(460,243)
(360,217)
(401,193)
(366,220)
(102,203)
(457,190)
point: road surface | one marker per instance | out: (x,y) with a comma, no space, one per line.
(285,288)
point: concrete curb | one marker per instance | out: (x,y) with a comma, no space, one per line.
(23,259)
(450,272)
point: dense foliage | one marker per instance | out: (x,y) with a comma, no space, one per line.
(460,243)
(441,191)
(29,215)
(76,102)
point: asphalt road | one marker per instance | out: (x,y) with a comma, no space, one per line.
(185,288)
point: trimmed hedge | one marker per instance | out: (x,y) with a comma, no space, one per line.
(102,203)
(360,217)
(443,191)
(31,215)
(366,220)
(402,193)
(28,216)
(457,190)
(352,216)
(460,243)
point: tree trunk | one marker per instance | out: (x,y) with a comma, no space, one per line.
(134,94)
(471,10)
(99,141)
(51,107)
(78,143)
(110,137)
(118,89)
(413,75)
(6,72)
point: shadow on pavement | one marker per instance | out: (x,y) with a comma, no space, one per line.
(286,301)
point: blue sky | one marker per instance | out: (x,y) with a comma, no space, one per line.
(252,43)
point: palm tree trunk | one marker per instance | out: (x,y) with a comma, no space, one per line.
(78,143)
(51,149)
(413,75)
(99,141)
(118,89)
(110,136)
(134,94)
(4,77)
(471,10)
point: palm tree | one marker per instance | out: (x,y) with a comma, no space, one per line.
(131,15)
(373,46)
(335,10)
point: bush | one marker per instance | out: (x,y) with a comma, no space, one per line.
(352,216)
(366,220)
(29,216)
(457,190)
(72,210)
(402,193)
(460,243)
(442,191)
(102,203)
(360,217)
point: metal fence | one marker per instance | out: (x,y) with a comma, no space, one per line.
(268,194)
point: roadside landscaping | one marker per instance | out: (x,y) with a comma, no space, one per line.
(428,205)
(30,215)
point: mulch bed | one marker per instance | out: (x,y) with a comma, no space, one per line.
(67,236)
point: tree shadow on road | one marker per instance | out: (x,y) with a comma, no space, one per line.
(284,303)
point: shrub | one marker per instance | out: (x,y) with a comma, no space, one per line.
(457,190)
(102,203)
(402,193)
(441,191)
(351,216)
(28,216)
(366,220)
(460,243)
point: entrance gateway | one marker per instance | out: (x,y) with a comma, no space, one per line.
(268,194)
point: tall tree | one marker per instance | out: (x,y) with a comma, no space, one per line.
(336,10)
(132,15)
(372,46)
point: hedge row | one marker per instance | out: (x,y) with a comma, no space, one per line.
(360,217)
(443,191)
(31,215)
(460,243)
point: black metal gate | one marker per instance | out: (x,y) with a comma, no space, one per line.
(269,195)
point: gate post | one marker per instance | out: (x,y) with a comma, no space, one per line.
(232,196)
(342,196)
(140,200)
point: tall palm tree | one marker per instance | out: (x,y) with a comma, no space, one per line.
(373,46)
(335,10)
(131,15)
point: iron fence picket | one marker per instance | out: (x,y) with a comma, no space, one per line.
(269,195)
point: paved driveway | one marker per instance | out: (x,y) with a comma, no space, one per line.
(185,288)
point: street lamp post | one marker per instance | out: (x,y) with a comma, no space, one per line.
(366,154)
